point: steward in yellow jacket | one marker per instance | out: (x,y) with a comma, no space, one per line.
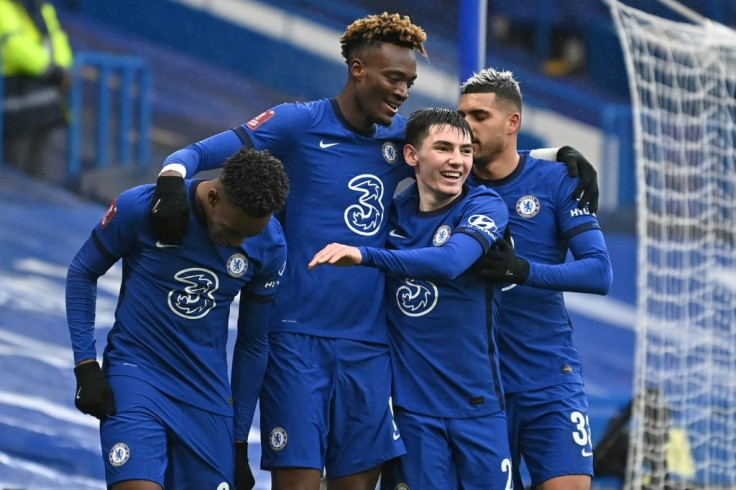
(36,58)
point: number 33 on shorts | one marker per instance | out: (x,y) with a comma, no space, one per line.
(581,434)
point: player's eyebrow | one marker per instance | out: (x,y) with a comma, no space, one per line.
(450,143)
(474,112)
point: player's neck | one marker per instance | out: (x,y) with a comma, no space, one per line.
(501,166)
(432,199)
(352,112)
(200,199)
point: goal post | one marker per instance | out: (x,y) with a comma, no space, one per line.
(682,77)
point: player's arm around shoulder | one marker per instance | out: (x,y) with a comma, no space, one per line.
(486,212)
(586,193)
(590,270)
(281,127)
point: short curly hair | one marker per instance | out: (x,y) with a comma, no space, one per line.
(369,32)
(255,181)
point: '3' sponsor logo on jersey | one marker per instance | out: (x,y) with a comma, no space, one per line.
(198,295)
(416,297)
(365,217)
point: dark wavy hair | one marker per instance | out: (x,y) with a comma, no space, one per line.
(255,181)
(419,122)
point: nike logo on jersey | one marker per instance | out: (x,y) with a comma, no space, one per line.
(396,435)
(164,245)
(586,454)
(79,393)
(322,144)
(396,234)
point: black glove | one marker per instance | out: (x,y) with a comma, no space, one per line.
(170,210)
(578,166)
(243,475)
(501,265)
(94,395)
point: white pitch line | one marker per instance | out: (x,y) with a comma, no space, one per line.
(54,410)
(24,346)
(602,308)
(56,479)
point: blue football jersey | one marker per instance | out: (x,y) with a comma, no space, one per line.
(342,183)
(171,321)
(444,359)
(533,326)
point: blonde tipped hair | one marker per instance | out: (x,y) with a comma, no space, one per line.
(369,32)
(489,80)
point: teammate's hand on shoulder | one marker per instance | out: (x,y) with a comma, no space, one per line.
(579,166)
(501,265)
(169,210)
(244,479)
(94,394)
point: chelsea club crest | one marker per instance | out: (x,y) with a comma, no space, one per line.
(119,454)
(527,206)
(441,235)
(277,438)
(389,152)
(236,265)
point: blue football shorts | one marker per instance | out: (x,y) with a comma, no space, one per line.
(550,429)
(444,453)
(325,404)
(155,437)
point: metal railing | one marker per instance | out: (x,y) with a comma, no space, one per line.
(109,101)
(110,98)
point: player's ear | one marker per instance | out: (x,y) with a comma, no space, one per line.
(213,197)
(410,155)
(357,68)
(513,122)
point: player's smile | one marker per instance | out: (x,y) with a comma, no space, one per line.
(450,175)
(393,107)
(451,179)
(389,108)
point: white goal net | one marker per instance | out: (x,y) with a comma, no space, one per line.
(682,77)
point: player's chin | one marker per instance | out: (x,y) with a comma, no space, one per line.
(385,117)
(452,189)
(384,120)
